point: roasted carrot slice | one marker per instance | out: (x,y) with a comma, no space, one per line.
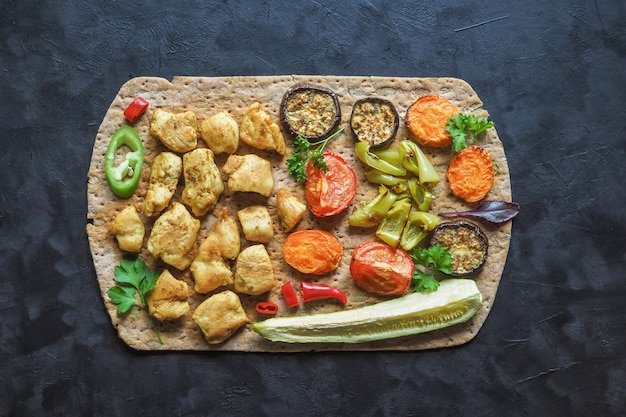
(426,119)
(471,174)
(314,252)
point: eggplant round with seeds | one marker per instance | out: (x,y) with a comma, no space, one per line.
(466,243)
(375,121)
(310,111)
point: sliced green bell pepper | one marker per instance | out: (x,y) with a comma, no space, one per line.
(124,177)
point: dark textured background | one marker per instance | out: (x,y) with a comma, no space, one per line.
(553,76)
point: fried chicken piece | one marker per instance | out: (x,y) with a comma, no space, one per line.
(256,223)
(290,209)
(173,237)
(226,235)
(128,229)
(260,131)
(164,174)
(168,299)
(203,181)
(249,173)
(209,268)
(221,133)
(219,316)
(177,131)
(254,273)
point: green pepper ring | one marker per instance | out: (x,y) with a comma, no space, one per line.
(121,184)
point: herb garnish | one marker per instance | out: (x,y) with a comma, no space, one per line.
(296,163)
(132,276)
(435,260)
(462,125)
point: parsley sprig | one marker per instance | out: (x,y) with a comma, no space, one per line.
(133,276)
(463,125)
(435,261)
(302,152)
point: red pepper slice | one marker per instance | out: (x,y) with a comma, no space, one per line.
(311,292)
(135,109)
(267,307)
(289,294)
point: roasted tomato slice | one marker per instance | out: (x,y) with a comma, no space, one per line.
(381,269)
(329,193)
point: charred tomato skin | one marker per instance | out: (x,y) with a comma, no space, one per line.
(381,269)
(467,244)
(374,127)
(299,102)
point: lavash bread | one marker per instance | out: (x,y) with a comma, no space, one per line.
(208,96)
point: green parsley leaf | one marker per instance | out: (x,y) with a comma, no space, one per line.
(123,297)
(133,277)
(430,263)
(317,159)
(423,282)
(440,258)
(302,152)
(463,125)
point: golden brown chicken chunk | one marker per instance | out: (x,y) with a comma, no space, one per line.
(209,269)
(254,274)
(168,299)
(128,229)
(256,223)
(203,181)
(226,235)
(219,316)
(164,174)
(249,173)
(173,237)
(290,209)
(177,131)
(221,133)
(260,131)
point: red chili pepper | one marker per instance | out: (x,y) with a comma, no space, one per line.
(267,307)
(312,292)
(289,294)
(135,109)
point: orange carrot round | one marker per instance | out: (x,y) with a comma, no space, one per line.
(471,174)
(313,252)
(426,119)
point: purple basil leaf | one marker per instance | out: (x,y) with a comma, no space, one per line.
(491,211)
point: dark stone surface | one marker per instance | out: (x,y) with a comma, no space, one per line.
(550,72)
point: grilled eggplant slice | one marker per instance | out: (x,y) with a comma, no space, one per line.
(375,121)
(467,244)
(310,111)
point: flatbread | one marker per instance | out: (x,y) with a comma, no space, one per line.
(206,96)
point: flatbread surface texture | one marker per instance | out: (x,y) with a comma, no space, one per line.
(206,96)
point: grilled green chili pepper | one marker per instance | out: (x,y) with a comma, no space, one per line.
(416,229)
(393,156)
(390,229)
(374,176)
(371,213)
(372,160)
(124,177)
(421,195)
(416,162)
